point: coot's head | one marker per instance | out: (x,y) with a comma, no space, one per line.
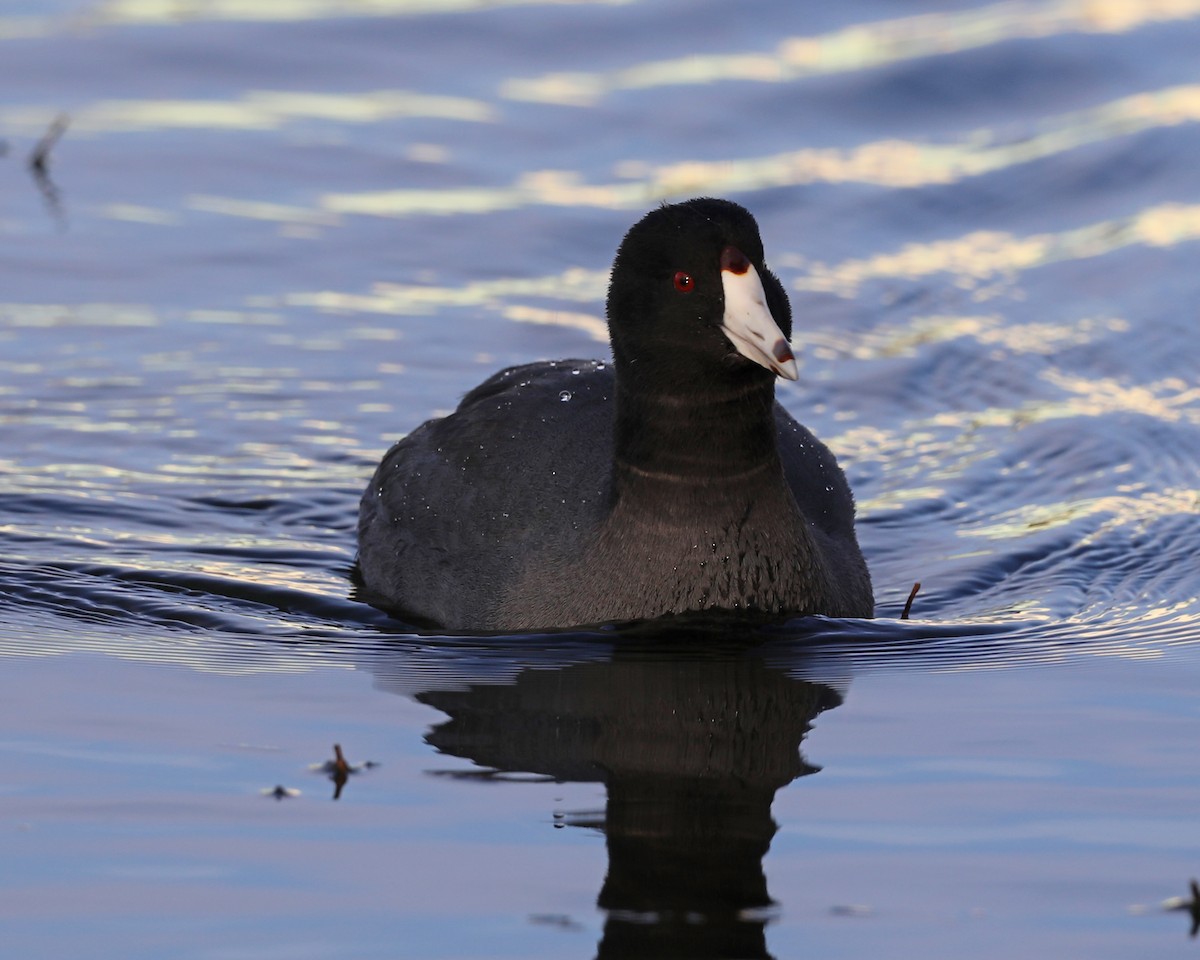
(690,300)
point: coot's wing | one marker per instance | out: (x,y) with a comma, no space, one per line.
(824,497)
(456,508)
(813,474)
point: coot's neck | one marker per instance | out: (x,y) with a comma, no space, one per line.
(714,434)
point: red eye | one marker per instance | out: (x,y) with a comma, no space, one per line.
(684,282)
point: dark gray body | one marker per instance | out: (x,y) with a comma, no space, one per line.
(512,513)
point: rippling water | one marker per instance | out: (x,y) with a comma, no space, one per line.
(277,234)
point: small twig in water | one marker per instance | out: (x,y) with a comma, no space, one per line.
(340,766)
(39,159)
(339,769)
(912,594)
(39,167)
(1190,904)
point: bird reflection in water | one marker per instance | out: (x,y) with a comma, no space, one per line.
(691,748)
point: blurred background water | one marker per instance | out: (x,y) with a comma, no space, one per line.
(274,235)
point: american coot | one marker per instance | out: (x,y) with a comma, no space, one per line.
(665,481)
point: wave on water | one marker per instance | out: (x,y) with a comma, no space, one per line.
(276,594)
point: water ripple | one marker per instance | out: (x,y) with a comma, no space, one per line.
(1062,595)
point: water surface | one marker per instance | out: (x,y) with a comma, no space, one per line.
(275,236)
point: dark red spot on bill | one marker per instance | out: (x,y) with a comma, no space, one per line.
(733,260)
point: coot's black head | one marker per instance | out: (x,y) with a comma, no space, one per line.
(691,301)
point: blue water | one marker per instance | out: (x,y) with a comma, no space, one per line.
(277,235)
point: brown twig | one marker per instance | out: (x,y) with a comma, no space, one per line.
(909,602)
(340,765)
(340,772)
